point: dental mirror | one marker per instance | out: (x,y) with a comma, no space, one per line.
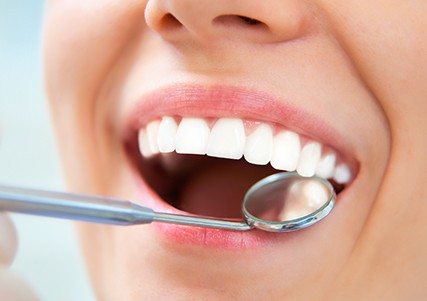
(286,202)
(278,203)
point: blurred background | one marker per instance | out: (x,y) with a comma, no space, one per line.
(48,257)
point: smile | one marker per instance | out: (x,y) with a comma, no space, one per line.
(196,151)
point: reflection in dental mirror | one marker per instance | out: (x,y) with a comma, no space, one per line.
(287,202)
(303,197)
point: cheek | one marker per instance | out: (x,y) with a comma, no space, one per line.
(82,42)
(80,46)
(387,41)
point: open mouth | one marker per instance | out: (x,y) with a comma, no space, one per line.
(204,164)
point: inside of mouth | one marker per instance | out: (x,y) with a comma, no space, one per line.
(204,185)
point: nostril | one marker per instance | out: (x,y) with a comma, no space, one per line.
(237,20)
(169,22)
(249,21)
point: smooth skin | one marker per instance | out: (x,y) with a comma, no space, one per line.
(361,64)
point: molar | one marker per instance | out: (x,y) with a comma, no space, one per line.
(342,174)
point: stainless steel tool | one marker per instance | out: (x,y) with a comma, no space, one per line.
(281,202)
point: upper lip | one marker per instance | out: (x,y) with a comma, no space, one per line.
(240,102)
(225,101)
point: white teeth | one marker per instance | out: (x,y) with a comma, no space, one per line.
(227,139)
(310,156)
(286,151)
(342,174)
(192,136)
(325,168)
(152,133)
(259,145)
(166,135)
(144,148)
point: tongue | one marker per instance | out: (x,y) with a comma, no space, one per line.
(217,189)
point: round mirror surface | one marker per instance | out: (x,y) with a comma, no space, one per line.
(287,202)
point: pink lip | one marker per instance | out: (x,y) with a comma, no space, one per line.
(214,101)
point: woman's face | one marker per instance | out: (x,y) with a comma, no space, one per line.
(346,78)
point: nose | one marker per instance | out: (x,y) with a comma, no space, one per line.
(263,21)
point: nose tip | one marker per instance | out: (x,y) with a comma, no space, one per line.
(266,21)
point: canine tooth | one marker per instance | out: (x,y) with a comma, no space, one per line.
(286,151)
(342,174)
(192,136)
(166,135)
(144,148)
(310,156)
(152,133)
(227,139)
(259,145)
(326,165)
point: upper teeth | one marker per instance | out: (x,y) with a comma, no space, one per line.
(286,151)
(192,136)
(259,145)
(228,138)
(166,135)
